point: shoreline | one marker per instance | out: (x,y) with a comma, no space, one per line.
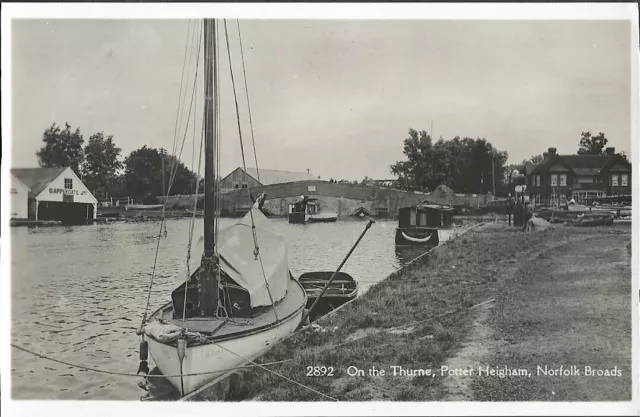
(430,314)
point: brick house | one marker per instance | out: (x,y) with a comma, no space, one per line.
(559,178)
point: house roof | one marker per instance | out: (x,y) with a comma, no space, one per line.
(37,179)
(580,164)
(272,176)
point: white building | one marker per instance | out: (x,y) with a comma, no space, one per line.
(19,199)
(54,194)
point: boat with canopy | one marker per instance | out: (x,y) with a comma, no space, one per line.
(242,299)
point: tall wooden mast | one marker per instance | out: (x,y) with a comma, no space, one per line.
(209,132)
(207,279)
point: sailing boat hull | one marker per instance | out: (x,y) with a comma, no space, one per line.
(216,357)
(226,352)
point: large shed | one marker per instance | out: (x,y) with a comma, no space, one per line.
(56,194)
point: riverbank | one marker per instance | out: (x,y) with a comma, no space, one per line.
(493,297)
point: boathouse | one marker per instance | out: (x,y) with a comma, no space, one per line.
(52,194)
(19,199)
(251,178)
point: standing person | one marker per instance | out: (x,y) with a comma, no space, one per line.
(510,208)
(528,214)
(518,213)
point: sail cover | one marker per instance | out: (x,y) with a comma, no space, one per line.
(236,247)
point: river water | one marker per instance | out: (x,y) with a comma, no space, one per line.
(78,293)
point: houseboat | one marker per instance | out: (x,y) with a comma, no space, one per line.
(424,224)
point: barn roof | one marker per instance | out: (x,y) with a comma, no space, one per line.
(272,176)
(37,179)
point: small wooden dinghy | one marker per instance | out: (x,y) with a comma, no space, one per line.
(342,289)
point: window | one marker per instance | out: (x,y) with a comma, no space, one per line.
(537,180)
(68,184)
(563,180)
(423,219)
(554,180)
(245,185)
(412,218)
(624,180)
(235,185)
(614,180)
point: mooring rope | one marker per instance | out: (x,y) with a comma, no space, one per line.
(104,371)
(280,375)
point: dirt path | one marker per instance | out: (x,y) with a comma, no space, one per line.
(567,303)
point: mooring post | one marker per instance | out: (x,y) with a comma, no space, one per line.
(313,306)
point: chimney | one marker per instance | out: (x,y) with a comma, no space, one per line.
(545,156)
(552,151)
(610,151)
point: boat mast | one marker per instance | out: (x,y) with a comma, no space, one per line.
(209,131)
(207,279)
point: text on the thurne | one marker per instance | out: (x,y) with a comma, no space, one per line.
(66,192)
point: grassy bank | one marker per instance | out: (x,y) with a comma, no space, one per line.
(437,292)
(568,306)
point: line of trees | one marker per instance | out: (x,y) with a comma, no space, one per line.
(100,165)
(468,165)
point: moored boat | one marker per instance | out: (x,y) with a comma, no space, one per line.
(242,299)
(340,291)
(424,225)
(310,210)
(143,207)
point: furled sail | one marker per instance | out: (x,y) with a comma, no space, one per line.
(236,246)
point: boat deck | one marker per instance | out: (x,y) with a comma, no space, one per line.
(221,327)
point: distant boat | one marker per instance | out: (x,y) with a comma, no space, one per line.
(341,290)
(143,207)
(424,224)
(309,210)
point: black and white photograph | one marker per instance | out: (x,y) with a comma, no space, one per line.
(407,210)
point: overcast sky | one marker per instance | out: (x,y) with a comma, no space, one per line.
(336,97)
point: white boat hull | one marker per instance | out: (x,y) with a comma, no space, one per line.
(217,358)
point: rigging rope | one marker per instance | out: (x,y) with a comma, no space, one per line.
(193,216)
(244,164)
(162,222)
(246,89)
(104,371)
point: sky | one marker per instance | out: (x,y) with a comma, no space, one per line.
(336,97)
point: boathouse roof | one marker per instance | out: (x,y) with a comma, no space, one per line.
(37,179)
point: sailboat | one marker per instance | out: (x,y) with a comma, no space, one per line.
(241,300)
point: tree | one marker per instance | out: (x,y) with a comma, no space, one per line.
(144,175)
(465,165)
(624,156)
(62,148)
(101,164)
(592,145)
(536,159)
